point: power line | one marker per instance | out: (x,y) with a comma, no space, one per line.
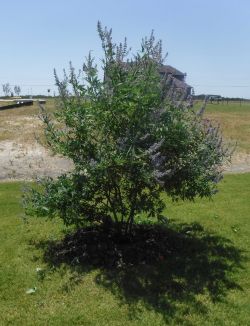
(34,85)
(239,86)
(194,85)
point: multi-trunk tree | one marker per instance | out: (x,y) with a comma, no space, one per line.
(131,137)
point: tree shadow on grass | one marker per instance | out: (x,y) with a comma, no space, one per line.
(165,268)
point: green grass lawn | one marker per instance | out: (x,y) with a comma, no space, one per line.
(203,280)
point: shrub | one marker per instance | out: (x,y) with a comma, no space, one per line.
(130,137)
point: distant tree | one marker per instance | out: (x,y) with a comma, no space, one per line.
(17,90)
(130,138)
(6,89)
(48,90)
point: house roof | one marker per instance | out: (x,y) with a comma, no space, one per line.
(171,70)
(167,69)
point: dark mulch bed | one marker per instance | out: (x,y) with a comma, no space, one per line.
(148,244)
(161,265)
(95,246)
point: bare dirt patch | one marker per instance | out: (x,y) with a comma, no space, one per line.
(23,157)
(240,163)
(25,161)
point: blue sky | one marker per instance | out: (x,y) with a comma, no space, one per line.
(207,39)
